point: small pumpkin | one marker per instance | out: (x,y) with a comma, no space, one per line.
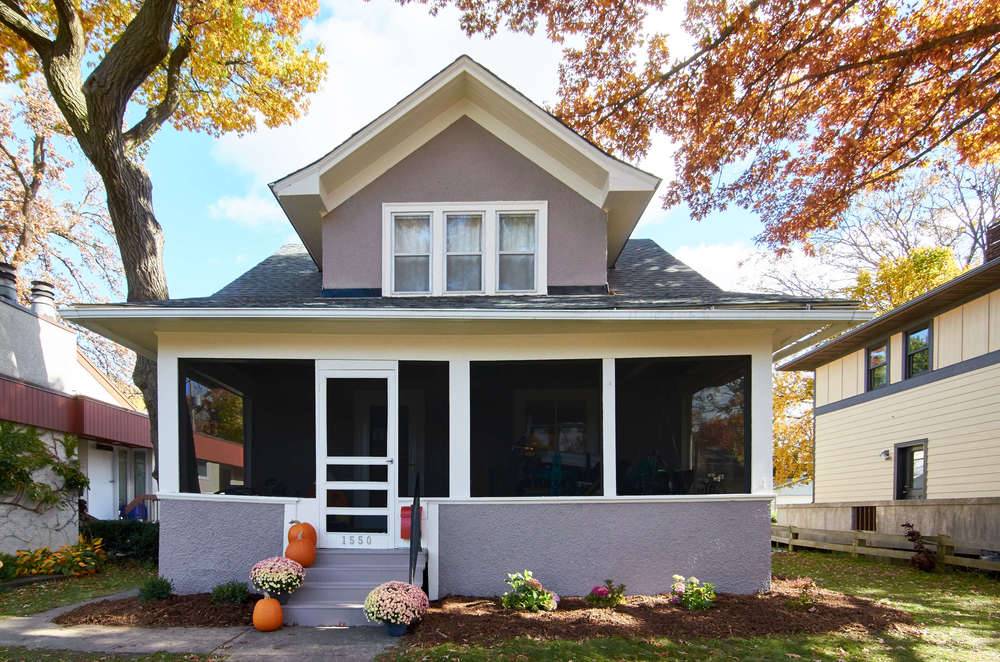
(302,530)
(267,615)
(302,551)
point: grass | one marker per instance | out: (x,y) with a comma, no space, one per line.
(958,614)
(35,598)
(36,655)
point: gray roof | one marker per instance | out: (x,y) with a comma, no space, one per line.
(645,276)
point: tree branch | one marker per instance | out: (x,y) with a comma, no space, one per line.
(136,54)
(155,117)
(12,16)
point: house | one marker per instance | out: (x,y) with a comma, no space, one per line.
(45,382)
(907,417)
(467,307)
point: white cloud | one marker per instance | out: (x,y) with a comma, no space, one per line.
(251,210)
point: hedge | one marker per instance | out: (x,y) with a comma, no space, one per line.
(126,538)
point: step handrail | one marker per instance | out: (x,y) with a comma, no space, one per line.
(415,528)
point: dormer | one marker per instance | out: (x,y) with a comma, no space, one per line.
(464,188)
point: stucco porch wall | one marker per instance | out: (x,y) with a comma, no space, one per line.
(206,542)
(572,547)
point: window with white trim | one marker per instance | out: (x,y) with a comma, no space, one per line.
(470,248)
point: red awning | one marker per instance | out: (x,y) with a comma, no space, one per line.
(45,408)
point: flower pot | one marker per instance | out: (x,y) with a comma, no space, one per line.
(395,629)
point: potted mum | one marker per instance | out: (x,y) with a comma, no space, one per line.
(396,604)
(278,577)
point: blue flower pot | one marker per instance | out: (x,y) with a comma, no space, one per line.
(395,629)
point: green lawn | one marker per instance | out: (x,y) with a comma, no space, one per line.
(958,614)
(34,598)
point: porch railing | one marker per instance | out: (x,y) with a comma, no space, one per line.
(415,528)
(145,507)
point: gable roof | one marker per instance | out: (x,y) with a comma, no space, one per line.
(465,88)
(970,285)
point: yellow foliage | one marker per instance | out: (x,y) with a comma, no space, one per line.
(84,558)
(793,428)
(896,281)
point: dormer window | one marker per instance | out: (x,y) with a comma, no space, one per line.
(471,248)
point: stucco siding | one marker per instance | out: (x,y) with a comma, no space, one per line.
(960,418)
(464,163)
(572,547)
(204,543)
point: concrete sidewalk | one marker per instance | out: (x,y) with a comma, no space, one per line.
(235,643)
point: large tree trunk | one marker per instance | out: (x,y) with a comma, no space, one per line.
(140,240)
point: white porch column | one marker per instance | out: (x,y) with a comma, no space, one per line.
(459,425)
(609,462)
(168,443)
(761,430)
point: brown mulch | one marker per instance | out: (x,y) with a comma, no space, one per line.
(196,610)
(793,606)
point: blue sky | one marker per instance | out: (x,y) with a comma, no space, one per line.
(211,195)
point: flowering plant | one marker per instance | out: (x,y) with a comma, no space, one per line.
(606,595)
(691,593)
(527,593)
(396,602)
(277,575)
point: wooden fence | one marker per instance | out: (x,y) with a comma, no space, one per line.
(870,543)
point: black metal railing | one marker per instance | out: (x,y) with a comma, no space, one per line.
(415,528)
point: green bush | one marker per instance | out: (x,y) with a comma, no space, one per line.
(527,594)
(230,593)
(692,593)
(126,538)
(155,588)
(606,596)
(8,569)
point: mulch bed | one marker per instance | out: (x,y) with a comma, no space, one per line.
(196,610)
(794,606)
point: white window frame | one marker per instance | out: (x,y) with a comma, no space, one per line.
(481,253)
(489,243)
(391,237)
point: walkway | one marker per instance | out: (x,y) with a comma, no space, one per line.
(236,643)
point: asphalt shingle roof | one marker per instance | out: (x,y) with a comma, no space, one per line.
(645,276)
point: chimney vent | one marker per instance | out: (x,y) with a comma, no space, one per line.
(43,302)
(993,242)
(8,283)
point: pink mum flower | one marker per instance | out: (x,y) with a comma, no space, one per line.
(600,591)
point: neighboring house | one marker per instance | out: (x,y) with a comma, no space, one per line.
(908,416)
(468,308)
(797,493)
(47,383)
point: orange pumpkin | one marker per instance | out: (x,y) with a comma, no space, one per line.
(267,615)
(303,530)
(302,551)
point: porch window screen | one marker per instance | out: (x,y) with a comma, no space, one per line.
(516,254)
(682,425)
(423,427)
(536,428)
(411,250)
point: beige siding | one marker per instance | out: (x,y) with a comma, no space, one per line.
(948,338)
(822,392)
(849,378)
(960,418)
(835,380)
(995,321)
(896,358)
(975,327)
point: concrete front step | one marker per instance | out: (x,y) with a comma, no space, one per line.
(325,614)
(372,574)
(315,592)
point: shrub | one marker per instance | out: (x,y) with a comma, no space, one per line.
(125,538)
(607,595)
(230,593)
(691,593)
(922,558)
(277,575)
(8,566)
(84,558)
(527,594)
(155,588)
(396,602)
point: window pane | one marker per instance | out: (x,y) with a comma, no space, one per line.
(139,471)
(356,417)
(917,341)
(681,425)
(378,473)
(357,524)
(122,478)
(876,356)
(423,427)
(536,428)
(357,498)
(517,272)
(464,233)
(517,232)
(465,273)
(918,363)
(878,376)
(412,274)
(412,234)
(918,468)
(217,421)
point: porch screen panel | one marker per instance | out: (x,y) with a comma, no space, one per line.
(423,427)
(682,425)
(356,411)
(536,428)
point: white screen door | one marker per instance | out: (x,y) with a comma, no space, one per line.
(356,452)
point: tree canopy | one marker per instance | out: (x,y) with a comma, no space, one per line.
(897,280)
(787,107)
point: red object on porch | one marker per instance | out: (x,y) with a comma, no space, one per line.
(404,521)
